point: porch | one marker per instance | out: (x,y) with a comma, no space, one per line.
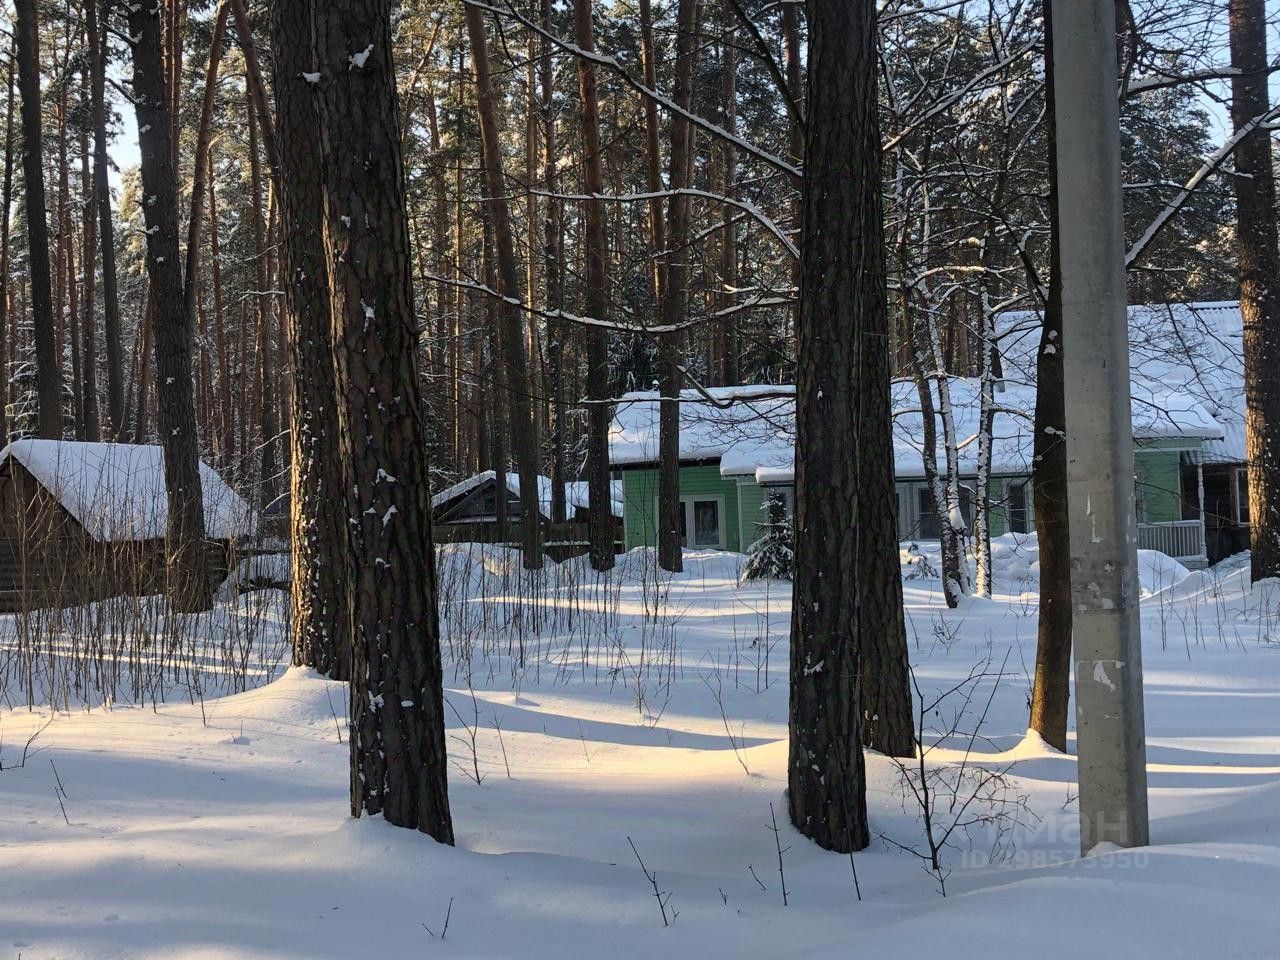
(1183,540)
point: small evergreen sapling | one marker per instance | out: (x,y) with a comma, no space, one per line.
(772,557)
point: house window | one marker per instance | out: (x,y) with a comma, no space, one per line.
(704,516)
(1242,497)
(927,527)
(1019,512)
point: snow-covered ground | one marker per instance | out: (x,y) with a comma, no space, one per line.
(216,826)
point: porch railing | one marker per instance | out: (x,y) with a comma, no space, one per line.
(1182,539)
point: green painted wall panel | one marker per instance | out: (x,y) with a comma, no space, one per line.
(640,502)
(751,513)
(1156,466)
(1159,484)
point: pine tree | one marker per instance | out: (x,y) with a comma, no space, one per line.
(773,555)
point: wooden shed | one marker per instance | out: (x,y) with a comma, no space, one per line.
(467,512)
(85,521)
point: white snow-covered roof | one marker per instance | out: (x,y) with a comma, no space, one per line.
(1186,363)
(576,494)
(742,427)
(1187,385)
(755,435)
(116,491)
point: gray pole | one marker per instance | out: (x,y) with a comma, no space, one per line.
(1110,741)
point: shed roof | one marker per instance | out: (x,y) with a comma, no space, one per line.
(576,494)
(116,491)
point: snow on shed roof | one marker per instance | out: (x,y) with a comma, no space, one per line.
(576,494)
(116,491)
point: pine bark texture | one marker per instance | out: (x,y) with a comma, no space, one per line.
(1051,692)
(599,487)
(842,303)
(189,586)
(398,757)
(675,297)
(1258,262)
(318,478)
(48,363)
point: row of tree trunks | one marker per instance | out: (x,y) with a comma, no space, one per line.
(516,382)
(106,222)
(48,364)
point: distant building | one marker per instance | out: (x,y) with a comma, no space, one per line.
(467,512)
(737,444)
(84,521)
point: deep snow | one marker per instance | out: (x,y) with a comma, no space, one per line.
(220,829)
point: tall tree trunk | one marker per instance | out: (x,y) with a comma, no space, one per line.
(1259,266)
(318,481)
(89,323)
(675,300)
(552,272)
(6,311)
(727,324)
(200,165)
(1051,692)
(226,414)
(190,587)
(398,758)
(48,364)
(653,154)
(600,519)
(66,298)
(266,409)
(106,225)
(523,423)
(795,89)
(842,307)
(492,411)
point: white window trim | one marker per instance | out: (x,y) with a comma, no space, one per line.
(686,504)
(1236,474)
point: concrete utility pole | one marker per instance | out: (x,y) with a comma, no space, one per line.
(1110,739)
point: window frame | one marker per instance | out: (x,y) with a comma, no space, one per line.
(1240,475)
(687,501)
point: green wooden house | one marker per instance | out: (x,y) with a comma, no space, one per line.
(737,444)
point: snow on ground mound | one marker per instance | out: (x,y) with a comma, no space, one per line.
(1015,560)
(647,709)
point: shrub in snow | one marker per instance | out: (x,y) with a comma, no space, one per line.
(918,565)
(773,556)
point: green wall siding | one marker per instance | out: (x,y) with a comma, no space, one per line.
(1157,467)
(640,502)
(1159,479)
(750,512)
